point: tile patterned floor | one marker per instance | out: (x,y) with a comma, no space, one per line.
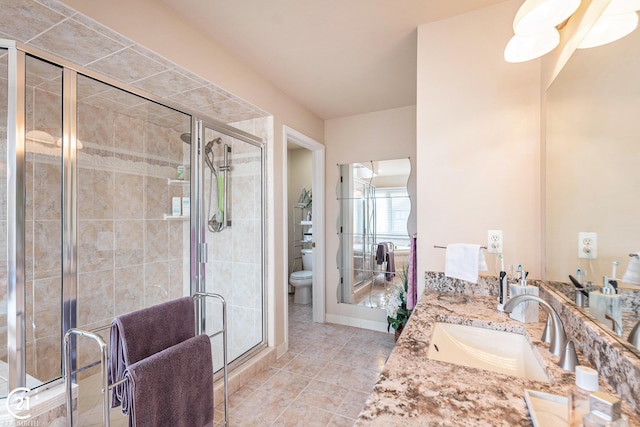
(323,380)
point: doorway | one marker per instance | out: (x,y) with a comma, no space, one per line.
(295,140)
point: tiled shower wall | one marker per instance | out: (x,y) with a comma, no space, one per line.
(129,256)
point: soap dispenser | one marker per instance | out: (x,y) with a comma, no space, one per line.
(606,306)
(526,312)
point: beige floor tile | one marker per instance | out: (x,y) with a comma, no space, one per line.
(303,416)
(340,421)
(261,410)
(323,395)
(305,365)
(286,384)
(352,404)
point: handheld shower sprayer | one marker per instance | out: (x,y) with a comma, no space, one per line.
(218,217)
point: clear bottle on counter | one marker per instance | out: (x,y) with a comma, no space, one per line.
(586,383)
(605,411)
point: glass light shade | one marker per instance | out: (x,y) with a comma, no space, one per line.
(617,7)
(526,48)
(40,136)
(609,28)
(537,16)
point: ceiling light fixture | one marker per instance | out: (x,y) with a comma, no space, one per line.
(534,28)
(536,22)
(618,20)
(537,16)
(525,48)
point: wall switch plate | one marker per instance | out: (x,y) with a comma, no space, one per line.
(587,245)
(494,242)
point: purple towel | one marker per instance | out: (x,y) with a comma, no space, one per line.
(412,279)
(173,387)
(141,333)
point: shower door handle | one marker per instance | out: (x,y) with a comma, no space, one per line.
(204,253)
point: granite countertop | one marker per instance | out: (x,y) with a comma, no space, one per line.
(413,390)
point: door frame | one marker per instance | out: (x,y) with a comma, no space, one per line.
(318,222)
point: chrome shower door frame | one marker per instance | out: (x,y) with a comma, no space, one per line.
(199,226)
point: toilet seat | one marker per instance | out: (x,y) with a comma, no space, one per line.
(301,275)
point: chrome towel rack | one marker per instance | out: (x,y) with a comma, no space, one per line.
(106,387)
(444,247)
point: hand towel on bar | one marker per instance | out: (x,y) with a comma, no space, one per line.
(173,387)
(391,266)
(412,279)
(141,333)
(632,275)
(464,261)
(381,253)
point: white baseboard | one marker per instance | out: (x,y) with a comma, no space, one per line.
(356,322)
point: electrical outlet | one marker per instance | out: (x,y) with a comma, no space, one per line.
(587,245)
(494,242)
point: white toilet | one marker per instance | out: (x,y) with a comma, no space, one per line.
(302,280)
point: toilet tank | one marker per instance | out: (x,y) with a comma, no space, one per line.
(307,259)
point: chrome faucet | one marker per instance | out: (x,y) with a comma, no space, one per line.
(558,337)
(617,327)
(634,336)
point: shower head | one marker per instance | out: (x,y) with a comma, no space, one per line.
(186,137)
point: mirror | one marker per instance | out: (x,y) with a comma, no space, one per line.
(593,172)
(372,226)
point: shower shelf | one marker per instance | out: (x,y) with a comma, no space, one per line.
(177,181)
(172,217)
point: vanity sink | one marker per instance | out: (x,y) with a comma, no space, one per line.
(497,351)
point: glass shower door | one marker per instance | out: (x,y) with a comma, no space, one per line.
(231,212)
(43,221)
(4,87)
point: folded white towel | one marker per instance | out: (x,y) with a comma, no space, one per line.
(464,261)
(632,275)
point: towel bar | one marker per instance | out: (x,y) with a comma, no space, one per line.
(444,247)
(69,373)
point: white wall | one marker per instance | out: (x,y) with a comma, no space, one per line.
(299,168)
(381,135)
(157,28)
(478,133)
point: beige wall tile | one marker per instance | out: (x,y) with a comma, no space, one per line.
(129,246)
(129,289)
(128,196)
(95,297)
(95,246)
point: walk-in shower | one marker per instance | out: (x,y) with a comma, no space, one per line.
(87,214)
